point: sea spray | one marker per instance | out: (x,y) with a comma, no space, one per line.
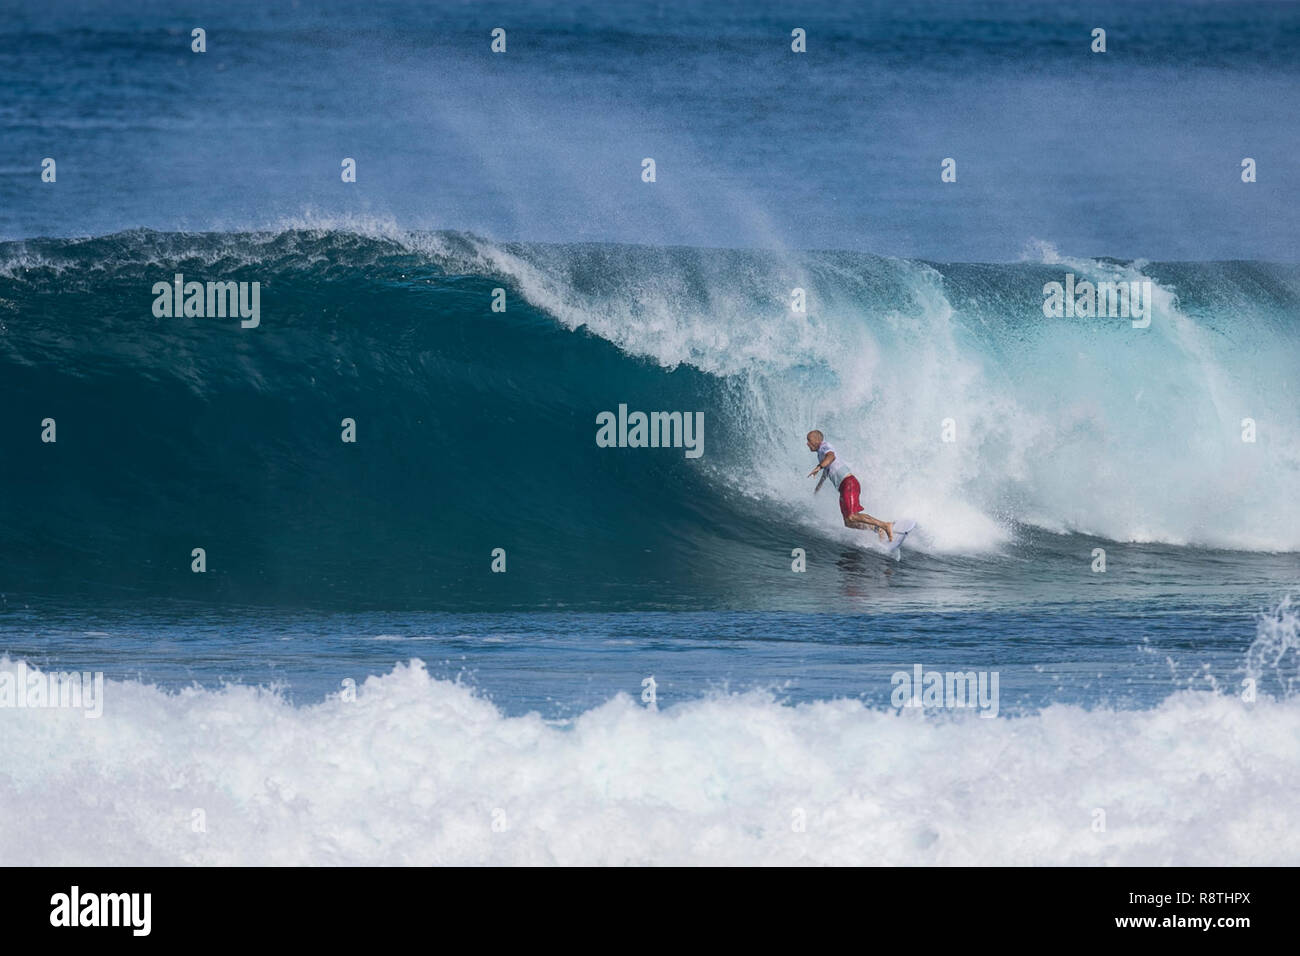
(1273,659)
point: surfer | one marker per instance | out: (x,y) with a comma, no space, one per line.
(841,475)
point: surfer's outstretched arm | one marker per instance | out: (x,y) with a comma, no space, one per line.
(824,464)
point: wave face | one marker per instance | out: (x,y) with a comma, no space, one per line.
(418,771)
(476,429)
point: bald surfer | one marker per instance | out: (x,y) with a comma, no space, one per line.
(841,476)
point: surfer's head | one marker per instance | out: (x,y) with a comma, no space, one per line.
(815,439)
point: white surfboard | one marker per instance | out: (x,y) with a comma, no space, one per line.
(902,527)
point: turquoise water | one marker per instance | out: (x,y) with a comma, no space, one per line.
(477,432)
(634,654)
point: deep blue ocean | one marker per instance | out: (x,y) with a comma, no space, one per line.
(684,648)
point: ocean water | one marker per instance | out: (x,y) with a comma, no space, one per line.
(652,679)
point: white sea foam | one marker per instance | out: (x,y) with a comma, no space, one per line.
(417,770)
(1083,425)
(1086,425)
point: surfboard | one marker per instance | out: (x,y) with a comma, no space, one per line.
(902,527)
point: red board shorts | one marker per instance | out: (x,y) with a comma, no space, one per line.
(849,491)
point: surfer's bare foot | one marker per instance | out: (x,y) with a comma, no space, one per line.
(887,529)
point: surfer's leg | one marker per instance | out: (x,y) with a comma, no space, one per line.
(863,522)
(855,517)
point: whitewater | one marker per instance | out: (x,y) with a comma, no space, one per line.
(412,770)
(1157,721)
(581,653)
(1147,443)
